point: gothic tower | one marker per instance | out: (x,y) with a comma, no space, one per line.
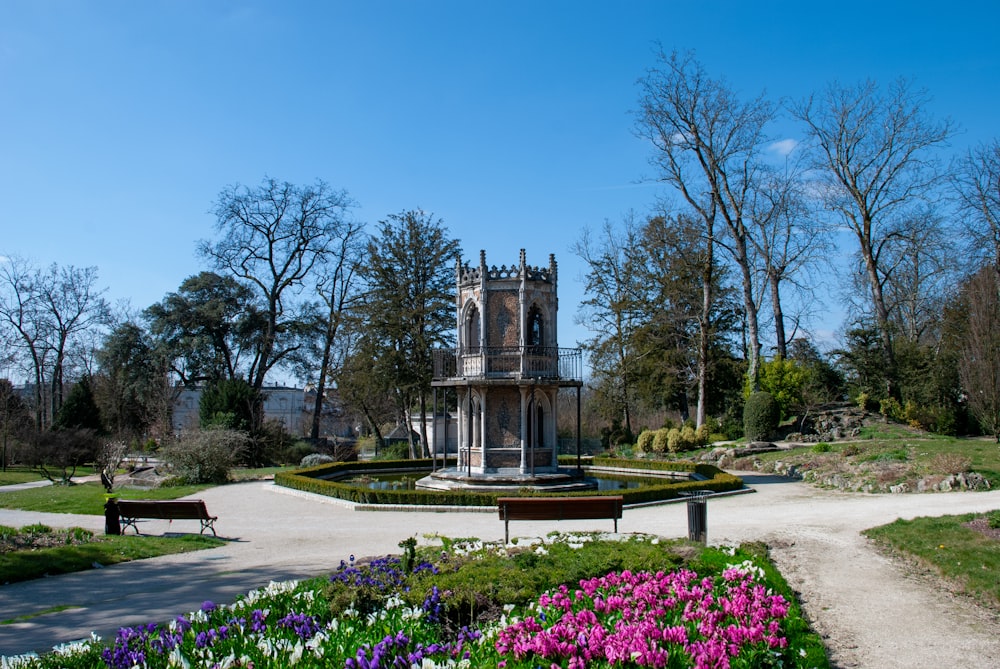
(507,368)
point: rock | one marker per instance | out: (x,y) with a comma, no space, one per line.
(976,481)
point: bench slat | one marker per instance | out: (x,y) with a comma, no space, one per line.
(558,508)
(183,509)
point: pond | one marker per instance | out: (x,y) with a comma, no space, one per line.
(408,481)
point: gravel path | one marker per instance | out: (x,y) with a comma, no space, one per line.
(871,611)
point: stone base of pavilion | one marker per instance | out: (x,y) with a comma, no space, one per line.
(505,480)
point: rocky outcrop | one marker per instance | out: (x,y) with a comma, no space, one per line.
(831,422)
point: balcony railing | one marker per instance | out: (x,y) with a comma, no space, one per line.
(509,362)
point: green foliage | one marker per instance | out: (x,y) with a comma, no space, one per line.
(685,438)
(394,451)
(821,447)
(785,380)
(230,404)
(890,408)
(645,441)
(761,415)
(79,411)
(205,325)
(206,456)
(131,388)
(661,440)
(993,519)
(824,382)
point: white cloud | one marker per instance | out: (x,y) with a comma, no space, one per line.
(783,147)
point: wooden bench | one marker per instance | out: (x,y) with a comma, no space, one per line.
(558,508)
(130,510)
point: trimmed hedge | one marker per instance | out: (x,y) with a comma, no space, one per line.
(761,415)
(308,480)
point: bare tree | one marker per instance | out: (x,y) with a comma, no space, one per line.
(50,311)
(918,273)
(979,366)
(789,242)
(337,288)
(977,184)
(611,310)
(708,143)
(22,311)
(73,305)
(272,237)
(873,152)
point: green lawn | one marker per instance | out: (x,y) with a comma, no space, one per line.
(84,498)
(964,557)
(18,475)
(23,565)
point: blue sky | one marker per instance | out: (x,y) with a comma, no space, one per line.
(121,121)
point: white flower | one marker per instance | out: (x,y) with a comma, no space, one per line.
(18,661)
(296,653)
(177,659)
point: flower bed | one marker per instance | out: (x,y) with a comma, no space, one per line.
(391,613)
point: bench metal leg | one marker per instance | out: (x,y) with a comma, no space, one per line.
(208,524)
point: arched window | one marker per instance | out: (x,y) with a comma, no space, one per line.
(536,424)
(536,327)
(472,330)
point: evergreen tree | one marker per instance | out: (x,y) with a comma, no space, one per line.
(79,411)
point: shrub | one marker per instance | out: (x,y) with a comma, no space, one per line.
(785,380)
(396,451)
(674,444)
(993,519)
(689,438)
(950,463)
(890,408)
(761,415)
(821,447)
(645,441)
(865,402)
(206,456)
(661,440)
(295,451)
(314,459)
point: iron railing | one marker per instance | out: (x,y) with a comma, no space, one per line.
(513,362)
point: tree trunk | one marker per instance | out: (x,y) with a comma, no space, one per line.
(321,382)
(423,426)
(881,318)
(750,311)
(704,331)
(779,318)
